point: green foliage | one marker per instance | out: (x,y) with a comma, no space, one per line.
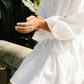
(32,6)
(36,2)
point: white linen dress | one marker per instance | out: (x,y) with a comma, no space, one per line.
(58,58)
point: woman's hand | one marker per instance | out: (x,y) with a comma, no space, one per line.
(33,23)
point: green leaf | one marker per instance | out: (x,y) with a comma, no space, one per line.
(30,5)
(37,2)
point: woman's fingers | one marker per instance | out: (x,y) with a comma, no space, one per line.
(18,28)
(25,31)
(30,18)
(22,27)
(23,23)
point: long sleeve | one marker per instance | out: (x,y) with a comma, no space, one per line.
(71,25)
(67,21)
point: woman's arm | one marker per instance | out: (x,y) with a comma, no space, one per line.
(32,24)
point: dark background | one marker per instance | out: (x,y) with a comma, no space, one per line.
(13,11)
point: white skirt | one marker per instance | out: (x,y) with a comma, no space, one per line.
(53,62)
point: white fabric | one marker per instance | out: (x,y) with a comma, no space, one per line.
(58,58)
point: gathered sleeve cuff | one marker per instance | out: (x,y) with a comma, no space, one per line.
(67,28)
(42,35)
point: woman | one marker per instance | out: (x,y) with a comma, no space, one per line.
(58,58)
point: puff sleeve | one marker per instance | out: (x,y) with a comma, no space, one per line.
(71,25)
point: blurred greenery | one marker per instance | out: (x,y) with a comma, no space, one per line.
(31,5)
